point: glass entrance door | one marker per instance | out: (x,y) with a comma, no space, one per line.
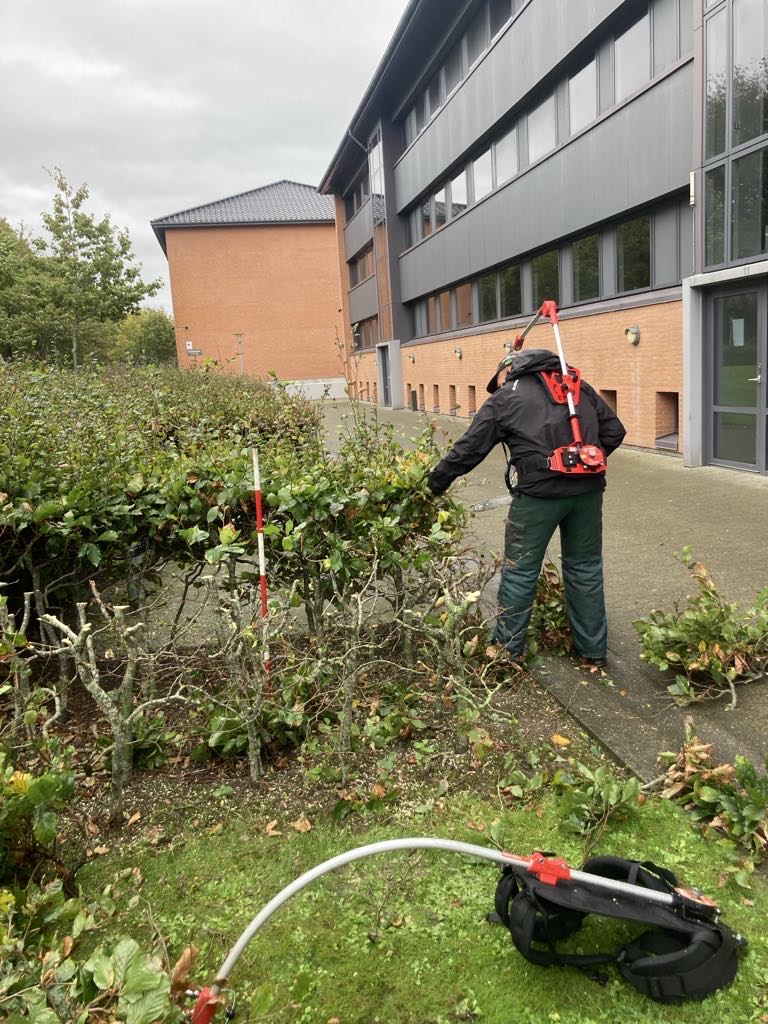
(738,369)
(384,371)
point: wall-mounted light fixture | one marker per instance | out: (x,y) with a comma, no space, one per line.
(412,358)
(632,334)
(458,353)
(508,346)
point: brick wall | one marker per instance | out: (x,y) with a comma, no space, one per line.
(277,285)
(596,344)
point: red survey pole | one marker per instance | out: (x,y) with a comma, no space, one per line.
(260,537)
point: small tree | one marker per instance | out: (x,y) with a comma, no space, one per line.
(92,276)
(146,338)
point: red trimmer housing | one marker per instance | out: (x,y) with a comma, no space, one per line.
(565,389)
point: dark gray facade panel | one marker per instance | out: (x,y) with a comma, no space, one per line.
(618,165)
(665,246)
(363,301)
(359,231)
(664,34)
(518,61)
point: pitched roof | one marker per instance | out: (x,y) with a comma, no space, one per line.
(282,202)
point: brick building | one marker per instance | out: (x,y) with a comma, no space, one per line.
(255,285)
(613,157)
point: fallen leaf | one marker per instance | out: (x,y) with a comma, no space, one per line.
(271,830)
(301,825)
(182,970)
(93,828)
(560,741)
(378,791)
(747,903)
(99,851)
(216,830)
(67,944)
(134,818)
(623,693)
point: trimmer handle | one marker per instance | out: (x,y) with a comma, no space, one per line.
(547,309)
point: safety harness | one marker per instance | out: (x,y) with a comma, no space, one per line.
(687,953)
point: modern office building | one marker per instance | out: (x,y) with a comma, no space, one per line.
(255,286)
(610,155)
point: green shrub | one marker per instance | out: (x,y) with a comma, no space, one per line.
(710,643)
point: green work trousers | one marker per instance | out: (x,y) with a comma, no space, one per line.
(530,526)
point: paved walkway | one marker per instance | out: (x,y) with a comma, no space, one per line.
(654,506)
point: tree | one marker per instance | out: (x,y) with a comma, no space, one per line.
(146,337)
(92,277)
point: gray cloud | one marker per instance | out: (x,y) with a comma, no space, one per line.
(160,105)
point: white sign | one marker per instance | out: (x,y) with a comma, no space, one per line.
(194,352)
(189,345)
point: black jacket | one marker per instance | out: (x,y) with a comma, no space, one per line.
(524,415)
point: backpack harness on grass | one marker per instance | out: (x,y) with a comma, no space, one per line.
(687,953)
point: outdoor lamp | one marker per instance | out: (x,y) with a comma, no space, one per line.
(458,353)
(632,334)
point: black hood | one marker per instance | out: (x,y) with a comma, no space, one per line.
(520,363)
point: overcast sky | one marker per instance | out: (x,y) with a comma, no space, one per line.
(160,105)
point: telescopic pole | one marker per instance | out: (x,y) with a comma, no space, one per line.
(260,539)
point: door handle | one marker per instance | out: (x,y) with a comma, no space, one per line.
(755,380)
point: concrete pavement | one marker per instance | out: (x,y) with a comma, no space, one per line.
(653,507)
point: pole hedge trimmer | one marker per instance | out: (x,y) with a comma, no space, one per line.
(686,953)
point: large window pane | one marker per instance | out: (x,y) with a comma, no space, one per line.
(586,268)
(632,58)
(446,314)
(750,69)
(421,116)
(487,296)
(542,135)
(633,244)
(714,216)
(511,292)
(426,218)
(433,96)
(439,208)
(481,175)
(582,97)
(459,194)
(464,305)
(452,70)
(546,277)
(749,202)
(501,12)
(506,156)
(431,314)
(477,36)
(714,114)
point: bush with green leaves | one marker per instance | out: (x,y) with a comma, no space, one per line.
(591,797)
(29,817)
(710,642)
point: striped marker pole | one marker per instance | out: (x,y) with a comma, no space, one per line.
(260,537)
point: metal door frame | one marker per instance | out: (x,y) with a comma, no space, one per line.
(742,287)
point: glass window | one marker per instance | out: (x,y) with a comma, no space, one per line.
(582,97)
(489,307)
(414,226)
(459,194)
(419,319)
(353,273)
(586,268)
(506,156)
(511,292)
(446,313)
(750,70)
(421,116)
(482,177)
(477,36)
(431,314)
(433,96)
(632,58)
(714,115)
(409,128)
(439,204)
(686,27)
(464,305)
(749,202)
(633,245)
(426,218)
(546,277)
(501,12)
(452,70)
(541,129)
(714,216)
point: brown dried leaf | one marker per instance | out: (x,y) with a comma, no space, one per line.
(99,851)
(271,829)
(182,970)
(134,818)
(93,828)
(67,944)
(301,825)
(378,791)
(560,741)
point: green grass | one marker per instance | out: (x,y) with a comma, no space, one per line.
(403,938)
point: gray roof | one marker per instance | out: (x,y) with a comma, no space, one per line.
(282,202)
